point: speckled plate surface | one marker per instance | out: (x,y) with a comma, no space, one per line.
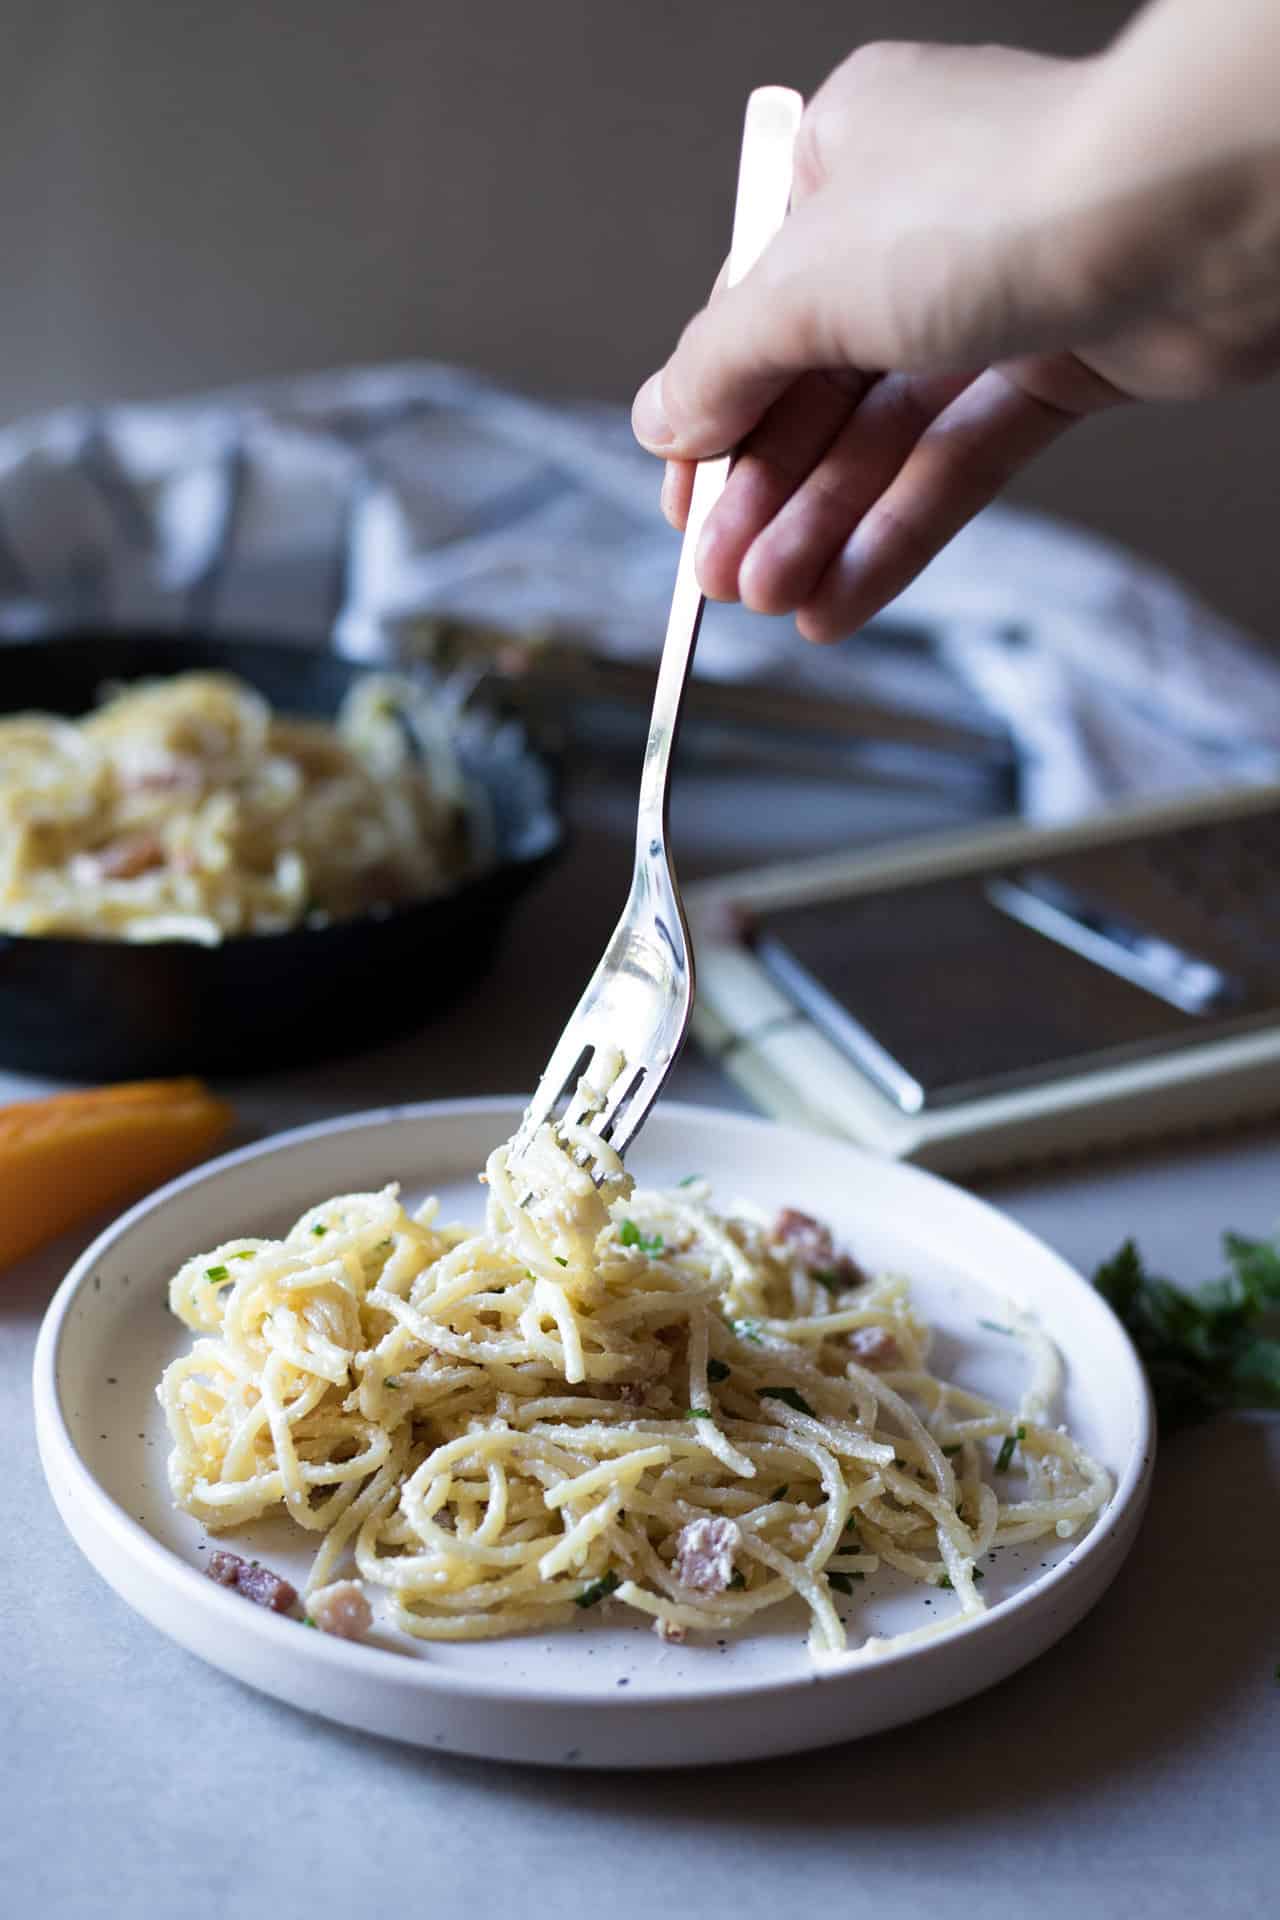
(602,1692)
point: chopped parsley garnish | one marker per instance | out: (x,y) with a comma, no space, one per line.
(789,1396)
(737,1579)
(559,1262)
(630,1236)
(1203,1351)
(748,1330)
(717,1370)
(953,1449)
(1004,1459)
(843,1582)
(307,1621)
(689,1179)
(246,1253)
(598,1590)
(993,1326)
(319,1231)
(216,1273)
(699,1413)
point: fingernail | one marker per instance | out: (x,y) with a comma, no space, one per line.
(666,499)
(648,416)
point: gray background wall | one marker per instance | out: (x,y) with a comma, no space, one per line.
(191,193)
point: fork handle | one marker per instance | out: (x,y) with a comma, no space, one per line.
(764,189)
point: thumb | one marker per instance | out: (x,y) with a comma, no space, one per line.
(734,359)
(837,290)
(909,255)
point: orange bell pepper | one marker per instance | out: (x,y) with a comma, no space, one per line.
(64,1157)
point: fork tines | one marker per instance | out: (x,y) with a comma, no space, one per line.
(586,1084)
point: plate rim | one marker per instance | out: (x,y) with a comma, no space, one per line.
(58,1452)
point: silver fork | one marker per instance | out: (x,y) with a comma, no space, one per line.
(621,1041)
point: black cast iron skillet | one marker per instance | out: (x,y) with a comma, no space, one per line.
(103,1009)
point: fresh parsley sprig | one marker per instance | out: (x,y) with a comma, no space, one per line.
(1207,1351)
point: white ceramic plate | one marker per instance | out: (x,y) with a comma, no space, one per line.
(602,1692)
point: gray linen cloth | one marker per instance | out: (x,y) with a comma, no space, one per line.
(337,505)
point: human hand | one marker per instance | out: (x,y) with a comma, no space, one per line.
(985,246)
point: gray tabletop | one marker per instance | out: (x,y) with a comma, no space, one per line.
(1129,1771)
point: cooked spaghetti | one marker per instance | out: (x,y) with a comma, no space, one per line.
(185,809)
(605,1392)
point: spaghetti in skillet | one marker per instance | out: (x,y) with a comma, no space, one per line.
(185,809)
